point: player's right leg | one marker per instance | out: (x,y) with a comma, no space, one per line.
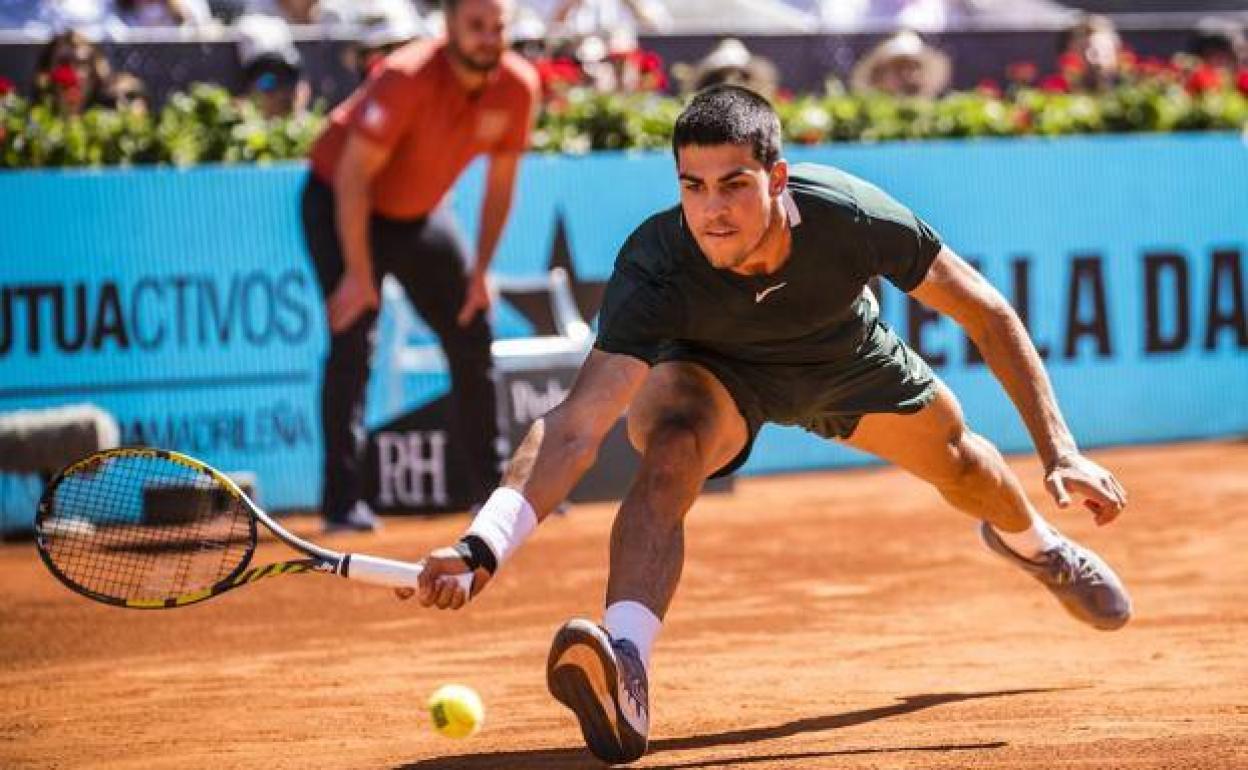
(686,426)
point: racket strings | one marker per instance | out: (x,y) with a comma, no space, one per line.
(144,527)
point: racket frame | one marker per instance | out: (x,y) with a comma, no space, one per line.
(369,569)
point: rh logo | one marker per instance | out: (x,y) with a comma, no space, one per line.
(412,468)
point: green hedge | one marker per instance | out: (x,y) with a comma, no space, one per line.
(592,121)
(206,124)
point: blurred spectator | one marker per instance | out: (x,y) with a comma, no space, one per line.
(928,16)
(291,11)
(1220,44)
(127,93)
(162,13)
(59,15)
(71,72)
(730,62)
(923,15)
(1088,53)
(271,67)
(528,33)
(578,18)
(382,26)
(903,65)
(635,69)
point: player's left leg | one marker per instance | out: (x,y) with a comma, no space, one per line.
(936,445)
(686,425)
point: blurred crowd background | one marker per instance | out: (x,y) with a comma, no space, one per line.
(287,57)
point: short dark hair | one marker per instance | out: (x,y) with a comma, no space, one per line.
(730,114)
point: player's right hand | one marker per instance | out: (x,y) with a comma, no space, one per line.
(354,295)
(1074,476)
(437,585)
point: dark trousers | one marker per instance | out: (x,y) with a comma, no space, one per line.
(427,257)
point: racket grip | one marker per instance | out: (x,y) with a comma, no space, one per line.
(389,572)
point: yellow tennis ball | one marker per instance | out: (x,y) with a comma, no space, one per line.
(456,710)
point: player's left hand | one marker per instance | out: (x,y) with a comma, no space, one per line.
(1075,476)
(477,299)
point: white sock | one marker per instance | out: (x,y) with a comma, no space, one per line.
(1033,541)
(635,622)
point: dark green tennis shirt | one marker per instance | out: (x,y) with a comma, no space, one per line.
(845,231)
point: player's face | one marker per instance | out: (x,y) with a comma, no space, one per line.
(728,199)
(477,32)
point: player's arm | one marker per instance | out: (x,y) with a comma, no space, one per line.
(953,287)
(557,451)
(500,184)
(361,160)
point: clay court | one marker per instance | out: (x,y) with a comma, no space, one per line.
(829,620)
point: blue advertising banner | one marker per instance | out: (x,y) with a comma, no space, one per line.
(182,301)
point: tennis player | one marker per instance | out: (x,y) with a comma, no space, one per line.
(747,304)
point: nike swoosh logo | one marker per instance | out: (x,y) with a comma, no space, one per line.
(762,295)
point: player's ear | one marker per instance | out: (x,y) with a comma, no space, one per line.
(778,178)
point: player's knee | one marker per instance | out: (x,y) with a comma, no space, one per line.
(967,466)
(671,449)
(674,425)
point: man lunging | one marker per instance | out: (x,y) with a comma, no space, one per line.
(747,304)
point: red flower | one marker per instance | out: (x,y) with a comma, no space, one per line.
(1241,81)
(1203,80)
(1071,64)
(65,76)
(650,61)
(555,73)
(1021,72)
(6,86)
(1127,60)
(1055,84)
(989,87)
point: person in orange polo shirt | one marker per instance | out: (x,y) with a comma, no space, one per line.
(372,206)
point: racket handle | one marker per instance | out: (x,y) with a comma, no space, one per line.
(388,572)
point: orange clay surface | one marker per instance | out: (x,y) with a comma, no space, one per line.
(828,620)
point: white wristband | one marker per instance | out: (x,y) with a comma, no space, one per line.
(504,522)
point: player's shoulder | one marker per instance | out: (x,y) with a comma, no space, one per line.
(836,193)
(515,71)
(653,248)
(654,244)
(412,60)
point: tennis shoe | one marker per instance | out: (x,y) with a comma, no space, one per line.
(603,681)
(1081,581)
(359,518)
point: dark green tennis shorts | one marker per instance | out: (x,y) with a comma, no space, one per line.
(826,399)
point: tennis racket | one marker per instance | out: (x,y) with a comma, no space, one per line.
(154,529)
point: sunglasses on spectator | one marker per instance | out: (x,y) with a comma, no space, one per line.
(268,82)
